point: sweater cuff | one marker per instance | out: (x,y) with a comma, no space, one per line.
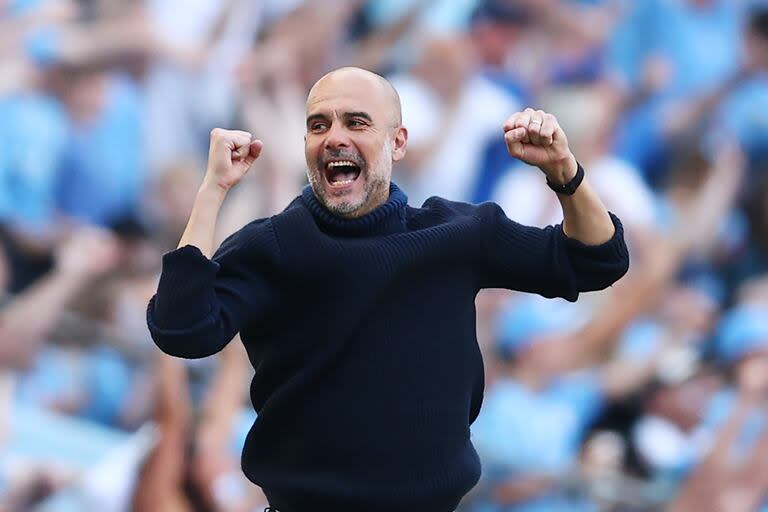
(612,249)
(185,293)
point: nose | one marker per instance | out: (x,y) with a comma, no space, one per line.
(336,137)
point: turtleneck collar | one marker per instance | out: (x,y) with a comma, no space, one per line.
(385,219)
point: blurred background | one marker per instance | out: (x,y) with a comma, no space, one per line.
(651,395)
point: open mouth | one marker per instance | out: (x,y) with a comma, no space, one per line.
(341,173)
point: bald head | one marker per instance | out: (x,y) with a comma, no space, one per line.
(349,77)
(354,135)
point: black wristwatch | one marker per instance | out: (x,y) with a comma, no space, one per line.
(570,187)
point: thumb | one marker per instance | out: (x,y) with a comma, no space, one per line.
(254,150)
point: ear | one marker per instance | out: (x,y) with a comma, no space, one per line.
(399,143)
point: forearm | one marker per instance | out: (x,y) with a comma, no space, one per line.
(584,217)
(201,226)
(31,316)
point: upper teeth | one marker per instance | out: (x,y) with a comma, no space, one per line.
(341,162)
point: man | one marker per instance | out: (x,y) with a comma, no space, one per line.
(357,310)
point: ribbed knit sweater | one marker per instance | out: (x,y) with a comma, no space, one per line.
(362,336)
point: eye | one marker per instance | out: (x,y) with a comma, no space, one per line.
(356,123)
(318,126)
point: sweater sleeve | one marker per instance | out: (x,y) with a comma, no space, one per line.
(545,261)
(201,304)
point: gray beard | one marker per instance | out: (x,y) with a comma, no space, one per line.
(374,183)
(346,209)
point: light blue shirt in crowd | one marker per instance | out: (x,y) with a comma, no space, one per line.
(744,114)
(703,47)
(703,44)
(520,430)
(103,170)
(33,135)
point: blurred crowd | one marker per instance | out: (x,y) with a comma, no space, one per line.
(651,395)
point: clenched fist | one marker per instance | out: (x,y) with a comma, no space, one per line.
(230,155)
(535,137)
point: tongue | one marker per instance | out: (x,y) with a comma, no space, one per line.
(343,175)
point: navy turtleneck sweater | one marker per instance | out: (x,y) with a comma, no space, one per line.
(362,336)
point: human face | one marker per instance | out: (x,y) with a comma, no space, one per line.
(351,142)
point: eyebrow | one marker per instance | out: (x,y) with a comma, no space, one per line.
(346,115)
(364,115)
(316,117)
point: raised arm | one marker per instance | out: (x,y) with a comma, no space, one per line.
(203,299)
(586,253)
(535,137)
(230,155)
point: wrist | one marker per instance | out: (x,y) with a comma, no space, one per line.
(569,187)
(210,190)
(562,172)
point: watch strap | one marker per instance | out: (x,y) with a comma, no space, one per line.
(570,187)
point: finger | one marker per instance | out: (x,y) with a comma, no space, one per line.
(219,151)
(241,145)
(558,135)
(524,121)
(511,122)
(534,127)
(217,133)
(516,135)
(524,118)
(240,151)
(514,139)
(242,134)
(547,131)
